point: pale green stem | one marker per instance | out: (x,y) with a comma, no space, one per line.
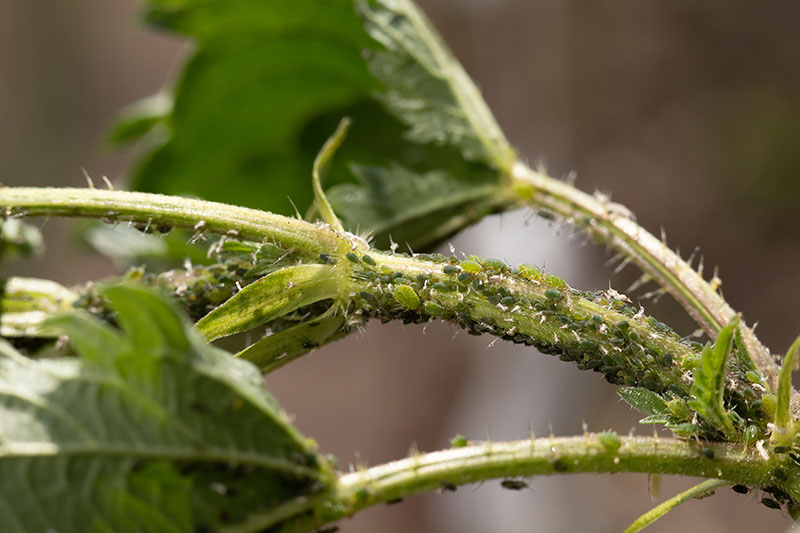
(156,210)
(614,225)
(534,457)
(699,490)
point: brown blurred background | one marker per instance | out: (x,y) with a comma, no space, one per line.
(688,112)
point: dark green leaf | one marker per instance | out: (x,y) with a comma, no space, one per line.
(149,429)
(644,400)
(270,80)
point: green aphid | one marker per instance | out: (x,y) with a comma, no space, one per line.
(555,281)
(351,257)
(752,376)
(494,264)
(459,441)
(451,269)
(679,408)
(508,301)
(433,309)
(464,276)
(553,294)
(368,260)
(407,297)
(441,287)
(610,441)
(469,265)
(325,258)
(529,272)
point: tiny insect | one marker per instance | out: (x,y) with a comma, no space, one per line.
(513,484)
(740,489)
(769,502)
(447,486)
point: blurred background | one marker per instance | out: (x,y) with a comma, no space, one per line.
(686,112)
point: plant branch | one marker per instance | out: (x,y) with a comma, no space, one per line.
(172,211)
(613,224)
(534,457)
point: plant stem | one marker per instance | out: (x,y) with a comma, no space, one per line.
(173,211)
(534,457)
(699,490)
(613,224)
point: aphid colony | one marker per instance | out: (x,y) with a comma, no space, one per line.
(595,330)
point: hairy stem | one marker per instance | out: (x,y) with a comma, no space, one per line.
(534,457)
(613,224)
(171,211)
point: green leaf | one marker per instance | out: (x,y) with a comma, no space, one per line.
(140,118)
(275,350)
(700,490)
(149,429)
(414,208)
(427,88)
(270,80)
(710,378)
(26,303)
(270,297)
(261,73)
(790,363)
(321,166)
(644,400)
(19,238)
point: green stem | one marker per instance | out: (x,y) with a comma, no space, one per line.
(159,210)
(535,457)
(612,224)
(699,490)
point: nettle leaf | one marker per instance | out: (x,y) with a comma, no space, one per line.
(427,88)
(270,297)
(149,429)
(709,380)
(270,80)
(412,207)
(644,400)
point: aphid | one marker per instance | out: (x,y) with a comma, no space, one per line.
(779,474)
(708,453)
(407,297)
(433,309)
(451,269)
(513,484)
(781,449)
(464,276)
(325,258)
(394,501)
(553,294)
(507,301)
(368,260)
(494,264)
(529,272)
(459,441)
(769,502)
(610,441)
(447,486)
(752,376)
(740,489)
(471,266)
(439,286)
(351,257)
